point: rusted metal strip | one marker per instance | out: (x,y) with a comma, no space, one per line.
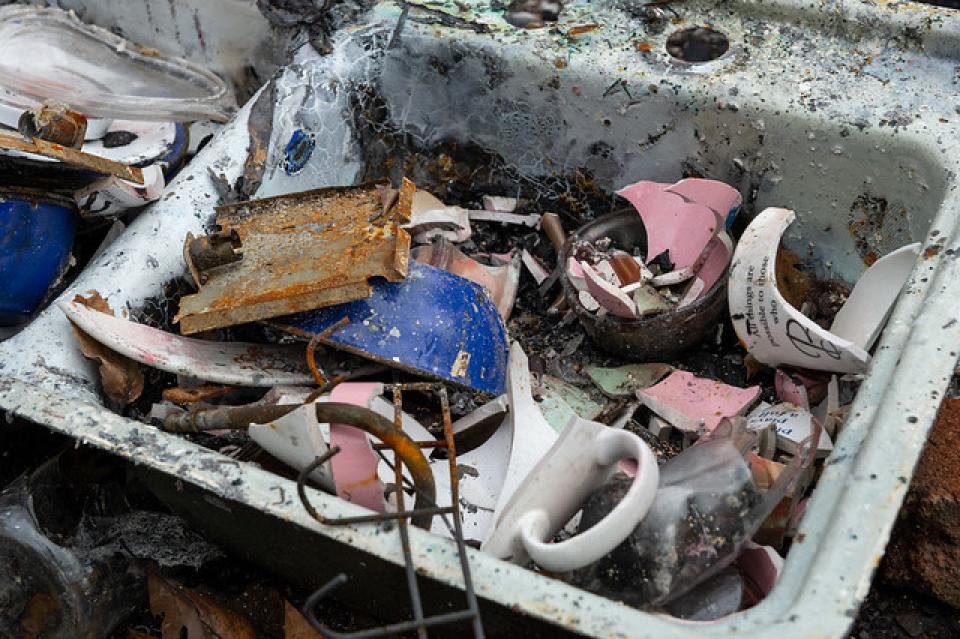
(70,156)
(301,252)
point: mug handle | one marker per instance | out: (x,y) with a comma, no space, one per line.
(589,546)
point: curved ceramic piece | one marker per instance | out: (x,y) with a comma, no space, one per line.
(500,282)
(579,462)
(297,439)
(51,54)
(239,363)
(607,295)
(863,315)
(772,330)
(431,323)
(355,466)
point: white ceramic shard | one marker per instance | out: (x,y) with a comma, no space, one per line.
(112,195)
(238,363)
(500,203)
(772,330)
(862,316)
(792,424)
(296,439)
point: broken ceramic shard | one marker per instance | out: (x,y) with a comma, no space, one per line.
(500,464)
(862,316)
(238,363)
(625,381)
(430,218)
(793,426)
(431,323)
(112,195)
(297,440)
(696,404)
(609,296)
(500,282)
(300,252)
(499,203)
(676,219)
(561,401)
(51,54)
(581,460)
(535,268)
(718,255)
(772,330)
(355,466)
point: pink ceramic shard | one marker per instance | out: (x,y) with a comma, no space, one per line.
(575,274)
(636,192)
(536,269)
(355,466)
(713,194)
(716,261)
(684,228)
(607,295)
(690,403)
(790,391)
(500,282)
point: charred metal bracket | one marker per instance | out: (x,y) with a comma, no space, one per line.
(300,252)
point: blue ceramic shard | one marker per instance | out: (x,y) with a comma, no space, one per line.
(432,323)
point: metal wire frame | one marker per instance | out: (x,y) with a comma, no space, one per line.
(419,623)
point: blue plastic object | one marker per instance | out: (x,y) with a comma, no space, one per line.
(432,323)
(35,241)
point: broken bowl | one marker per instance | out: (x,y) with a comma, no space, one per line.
(654,337)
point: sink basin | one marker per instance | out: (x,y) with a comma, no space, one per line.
(844,112)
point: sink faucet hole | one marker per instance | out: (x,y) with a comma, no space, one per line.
(697,44)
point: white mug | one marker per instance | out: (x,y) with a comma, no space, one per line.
(581,460)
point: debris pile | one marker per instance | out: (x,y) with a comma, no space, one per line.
(358,340)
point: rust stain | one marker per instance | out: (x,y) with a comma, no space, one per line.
(870,258)
(931,251)
(70,156)
(581,29)
(643,47)
(300,252)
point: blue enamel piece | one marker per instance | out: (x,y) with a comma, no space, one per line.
(35,242)
(432,323)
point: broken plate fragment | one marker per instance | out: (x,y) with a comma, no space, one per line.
(355,466)
(239,363)
(694,404)
(432,323)
(773,331)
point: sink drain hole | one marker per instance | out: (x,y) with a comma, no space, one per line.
(697,44)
